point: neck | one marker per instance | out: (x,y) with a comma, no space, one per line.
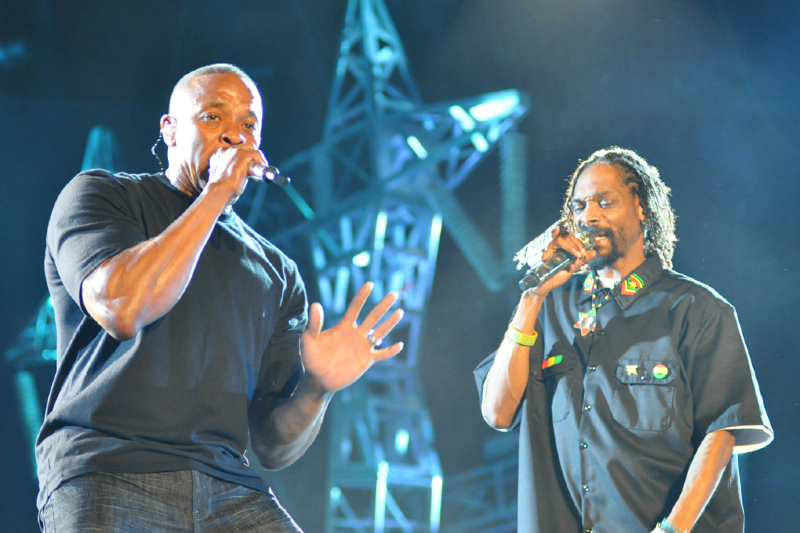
(177,179)
(622,267)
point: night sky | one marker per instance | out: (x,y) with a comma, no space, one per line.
(705,90)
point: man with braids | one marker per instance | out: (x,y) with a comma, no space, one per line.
(181,333)
(631,383)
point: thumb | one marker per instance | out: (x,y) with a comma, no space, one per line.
(315,318)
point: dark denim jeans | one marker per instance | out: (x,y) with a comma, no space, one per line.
(186,501)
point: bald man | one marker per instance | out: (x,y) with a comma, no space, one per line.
(181,333)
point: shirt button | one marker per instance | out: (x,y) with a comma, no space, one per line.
(584,445)
(586,488)
(592,369)
(601,332)
(587,407)
(590,530)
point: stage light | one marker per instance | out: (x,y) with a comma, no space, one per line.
(415,145)
(458,113)
(401,439)
(499,107)
(479,142)
(362,259)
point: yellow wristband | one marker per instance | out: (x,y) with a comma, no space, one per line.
(520,338)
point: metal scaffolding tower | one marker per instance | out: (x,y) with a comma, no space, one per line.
(36,345)
(381,185)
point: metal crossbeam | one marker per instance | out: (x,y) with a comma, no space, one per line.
(372,198)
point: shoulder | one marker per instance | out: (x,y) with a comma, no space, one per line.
(105,182)
(683,286)
(275,255)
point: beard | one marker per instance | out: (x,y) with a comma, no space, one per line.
(613,253)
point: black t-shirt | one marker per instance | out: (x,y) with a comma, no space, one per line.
(612,417)
(176,395)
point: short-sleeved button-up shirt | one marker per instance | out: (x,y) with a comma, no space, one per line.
(617,404)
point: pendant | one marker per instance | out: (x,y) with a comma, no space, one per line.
(586,321)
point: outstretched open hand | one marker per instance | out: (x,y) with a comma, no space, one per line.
(340,355)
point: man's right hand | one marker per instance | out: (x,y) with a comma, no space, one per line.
(230,167)
(566,241)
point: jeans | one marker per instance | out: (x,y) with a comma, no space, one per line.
(186,501)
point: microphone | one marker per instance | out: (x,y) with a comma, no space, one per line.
(268,173)
(542,271)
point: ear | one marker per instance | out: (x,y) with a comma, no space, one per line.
(640,211)
(168,125)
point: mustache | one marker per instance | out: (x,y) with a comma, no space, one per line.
(598,231)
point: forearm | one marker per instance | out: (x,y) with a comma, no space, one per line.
(702,479)
(508,377)
(141,284)
(283,434)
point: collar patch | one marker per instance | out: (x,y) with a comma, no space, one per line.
(632,285)
(588,284)
(552,361)
(632,370)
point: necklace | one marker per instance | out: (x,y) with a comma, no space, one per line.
(587,322)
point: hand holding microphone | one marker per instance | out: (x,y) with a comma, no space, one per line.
(560,260)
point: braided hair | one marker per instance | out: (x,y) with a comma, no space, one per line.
(645,183)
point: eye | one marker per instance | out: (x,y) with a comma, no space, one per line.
(577,207)
(249,126)
(210,117)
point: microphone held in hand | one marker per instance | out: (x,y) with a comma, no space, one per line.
(268,173)
(541,272)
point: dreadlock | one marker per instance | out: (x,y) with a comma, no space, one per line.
(644,182)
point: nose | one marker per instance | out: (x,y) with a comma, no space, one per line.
(233,137)
(590,214)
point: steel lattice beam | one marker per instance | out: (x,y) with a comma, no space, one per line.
(373,196)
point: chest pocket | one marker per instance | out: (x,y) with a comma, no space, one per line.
(644,394)
(552,385)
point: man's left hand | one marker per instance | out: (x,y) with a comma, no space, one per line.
(338,356)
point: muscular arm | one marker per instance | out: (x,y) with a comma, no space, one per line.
(508,377)
(702,479)
(141,284)
(333,359)
(284,432)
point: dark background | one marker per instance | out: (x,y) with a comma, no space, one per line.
(706,90)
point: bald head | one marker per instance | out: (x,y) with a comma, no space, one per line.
(184,85)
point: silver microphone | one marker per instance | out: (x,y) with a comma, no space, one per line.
(543,271)
(268,173)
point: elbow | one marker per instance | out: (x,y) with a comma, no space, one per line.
(118,316)
(497,419)
(269,458)
(117,319)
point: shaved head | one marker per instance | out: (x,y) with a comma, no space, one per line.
(183,87)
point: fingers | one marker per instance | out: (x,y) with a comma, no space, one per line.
(564,240)
(386,353)
(377,312)
(354,309)
(381,331)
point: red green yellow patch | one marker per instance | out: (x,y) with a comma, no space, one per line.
(632,285)
(551,361)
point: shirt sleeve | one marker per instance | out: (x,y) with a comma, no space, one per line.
(724,386)
(91,222)
(284,366)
